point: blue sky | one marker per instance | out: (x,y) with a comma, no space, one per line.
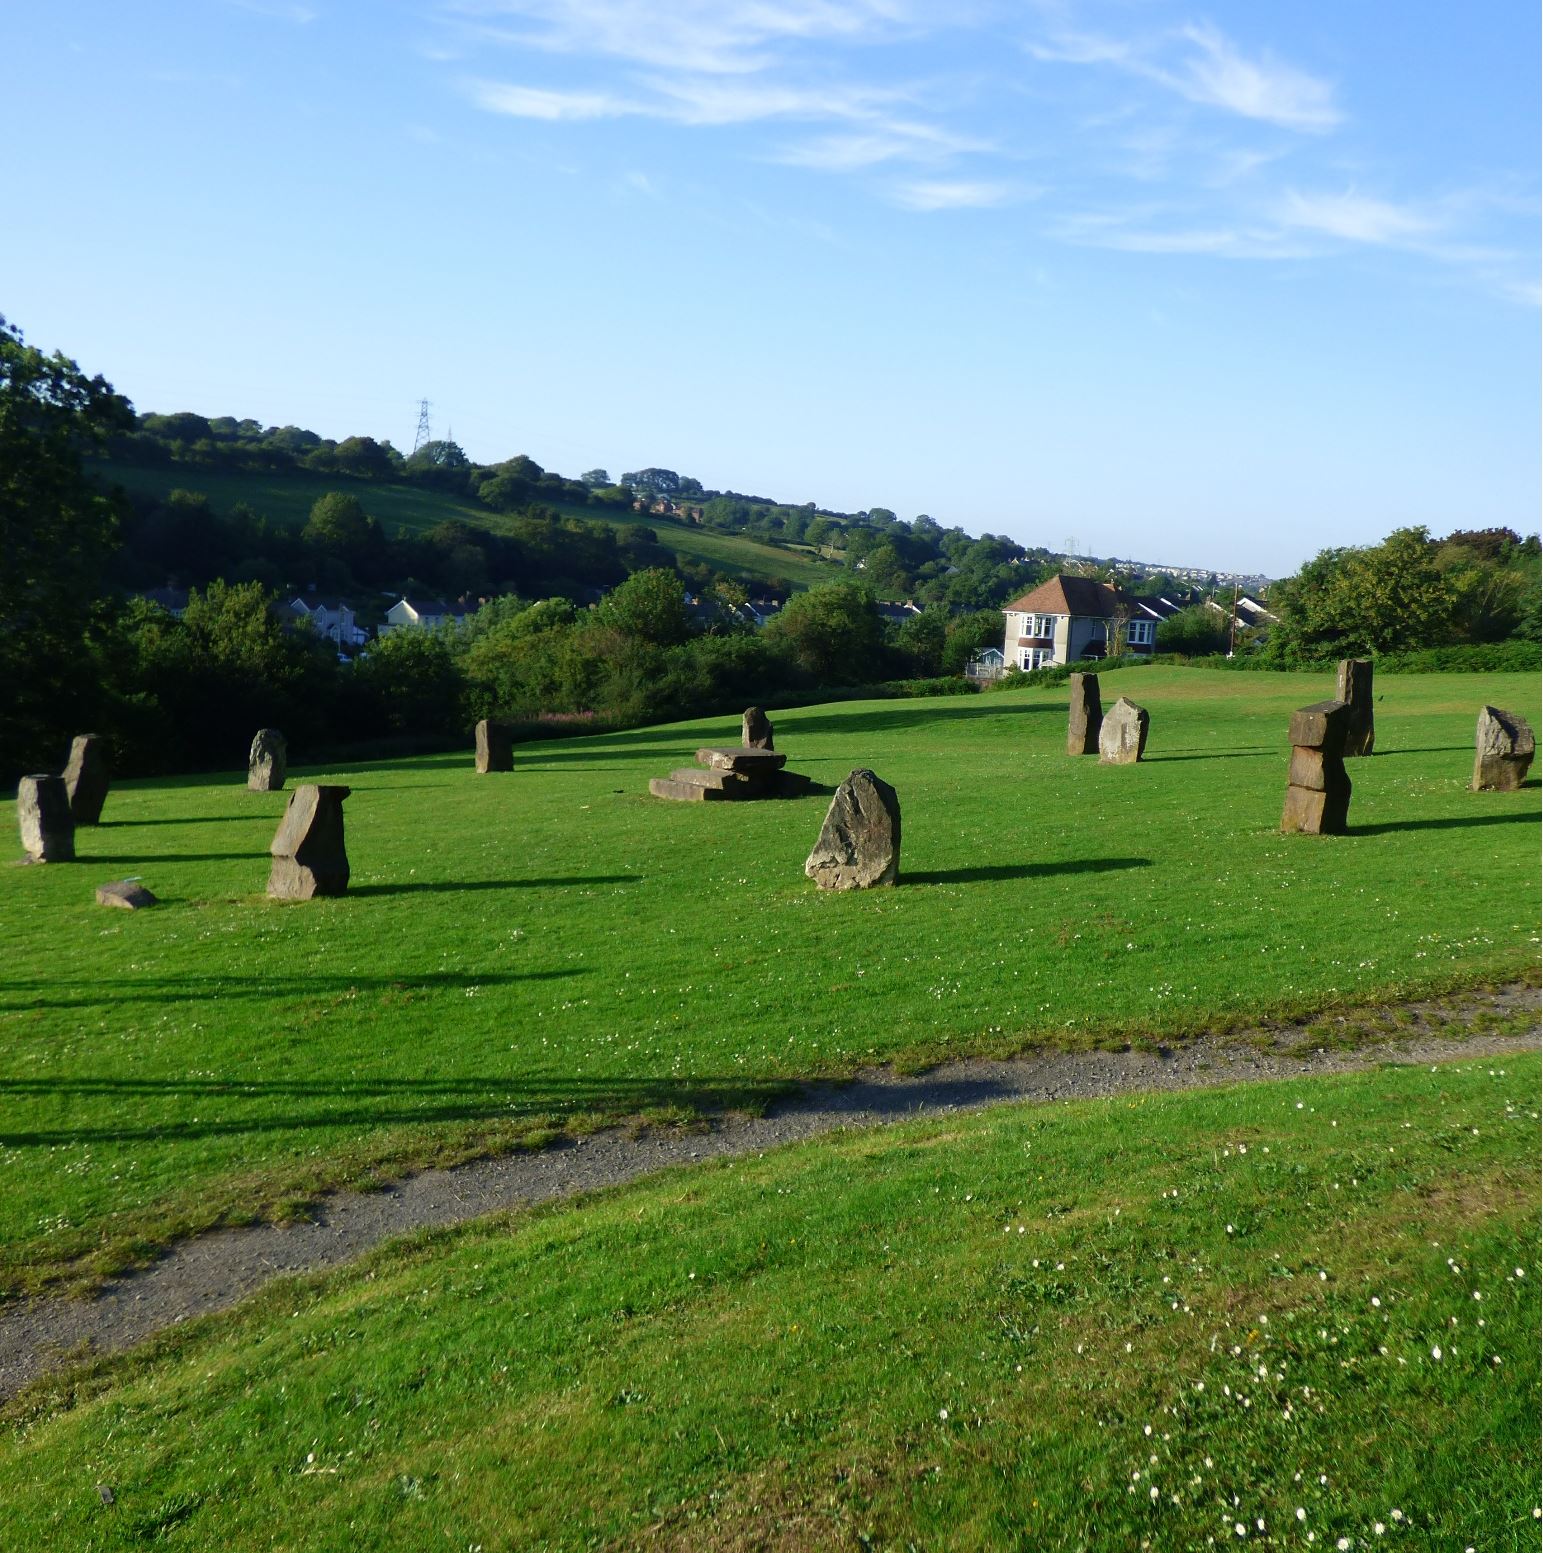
(1217,286)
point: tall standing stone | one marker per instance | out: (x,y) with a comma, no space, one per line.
(495,747)
(86,779)
(1503,748)
(1087,715)
(308,854)
(1317,786)
(44,819)
(757,730)
(267,762)
(1353,686)
(859,844)
(1122,738)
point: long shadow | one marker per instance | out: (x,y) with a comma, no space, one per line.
(188,819)
(190,989)
(450,888)
(1531,817)
(175,857)
(1424,749)
(986,871)
(1245,754)
(897,715)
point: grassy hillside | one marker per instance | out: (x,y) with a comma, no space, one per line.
(1298,1315)
(550,946)
(288,498)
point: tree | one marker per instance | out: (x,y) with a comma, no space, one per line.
(595,479)
(439,454)
(339,526)
(653,482)
(56,535)
(650,606)
(1197,632)
(833,633)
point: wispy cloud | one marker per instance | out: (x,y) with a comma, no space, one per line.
(278,10)
(537,102)
(1356,218)
(891,141)
(929,194)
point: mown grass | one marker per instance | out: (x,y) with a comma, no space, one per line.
(288,498)
(1301,1314)
(553,947)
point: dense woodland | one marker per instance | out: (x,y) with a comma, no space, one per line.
(583,619)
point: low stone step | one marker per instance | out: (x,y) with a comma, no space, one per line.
(730,783)
(741,760)
(689,792)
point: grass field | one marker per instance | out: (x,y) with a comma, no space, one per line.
(546,948)
(1296,1315)
(288,498)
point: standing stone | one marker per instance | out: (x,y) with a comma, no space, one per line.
(266,765)
(495,748)
(44,818)
(758,730)
(85,778)
(308,854)
(1503,751)
(1317,787)
(859,843)
(1122,737)
(1354,687)
(1087,715)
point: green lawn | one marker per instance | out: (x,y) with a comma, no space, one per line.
(552,946)
(288,498)
(1297,1315)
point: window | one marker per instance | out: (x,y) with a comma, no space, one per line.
(1139,633)
(1035,657)
(1043,625)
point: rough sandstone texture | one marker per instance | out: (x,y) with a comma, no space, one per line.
(859,843)
(267,761)
(1122,738)
(1503,747)
(44,819)
(128,894)
(1317,785)
(757,734)
(495,747)
(85,778)
(308,854)
(1353,686)
(1087,715)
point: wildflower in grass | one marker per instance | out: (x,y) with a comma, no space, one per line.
(1301,1513)
(1435,1352)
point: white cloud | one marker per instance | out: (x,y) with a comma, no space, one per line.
(278,10)
(891,141)
(1356,218)
(930,194)
(535,102)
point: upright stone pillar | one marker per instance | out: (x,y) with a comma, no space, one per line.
(1122,738)
(308,854)
(495,747)
(859,843)
(757,733)
(1354,688)
(1087,715)
(86,779)
(44,819)
(1317,786)
(1503,747)
(267,761)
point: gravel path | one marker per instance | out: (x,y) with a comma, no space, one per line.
(217,1270)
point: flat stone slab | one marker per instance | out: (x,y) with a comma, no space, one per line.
(686,792)
(129,894)
(739,759)
(732,784)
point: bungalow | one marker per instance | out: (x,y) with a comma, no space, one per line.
(1068,618)
(420,614)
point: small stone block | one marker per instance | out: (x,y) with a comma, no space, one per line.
(741,760)
(127,893)
(1353,686)
(1309,812)
(686,792)
(1321,726)
(757,730)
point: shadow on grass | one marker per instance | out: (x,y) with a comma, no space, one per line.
(1454,822)
(174,857)
(451,888)
(899,716)
(352,1105)
(189,989)
(186,819)
(987,871)
(1251,753)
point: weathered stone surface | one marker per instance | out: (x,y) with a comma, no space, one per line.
(859,843)
(688,792)
(86,779)
(308,853)
(1122,737)
(757,733)
(267,763)
(127,893)
(1087,715)
(1317,786)
(44,819)
(1503,748)
(742,760)
(495,747)
(1353,686)
(730,783)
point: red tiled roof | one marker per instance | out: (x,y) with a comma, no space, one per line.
(1070,596)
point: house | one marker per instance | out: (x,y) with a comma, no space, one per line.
(1246,614)
(330,617)
(987,664)
(761,610)
(896,612)
(1068,618)
(420,614)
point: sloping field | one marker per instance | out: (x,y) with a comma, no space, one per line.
(540,949)
(1293,1315)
